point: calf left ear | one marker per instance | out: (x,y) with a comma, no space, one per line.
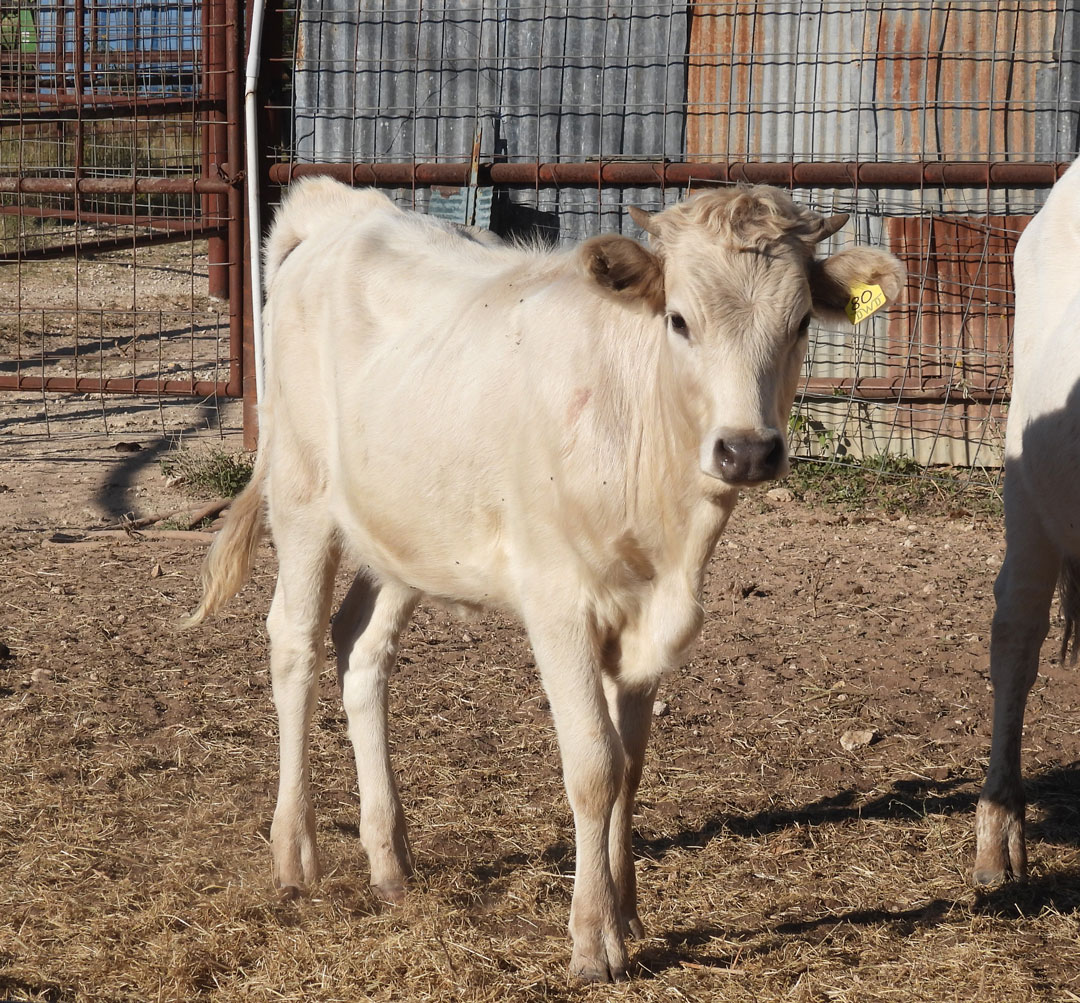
(832,279)
(625,270)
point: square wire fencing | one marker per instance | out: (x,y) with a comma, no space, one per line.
(938,127)
(121,240)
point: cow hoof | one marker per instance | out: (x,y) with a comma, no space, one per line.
(986,876)
(391,892)
(634,929)
(1000,851)
(599,966)
(597,972)
(290,893)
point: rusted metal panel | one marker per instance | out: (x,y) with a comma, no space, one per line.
(892,81)
(102,153)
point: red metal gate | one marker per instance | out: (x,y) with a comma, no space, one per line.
(121,198)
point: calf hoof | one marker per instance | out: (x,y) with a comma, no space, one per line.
(599,966)
(391,892)
(1001,853)
(289,893)
(634,930)
(597,972)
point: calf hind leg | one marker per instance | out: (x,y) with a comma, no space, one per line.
(366,632)
(307,561)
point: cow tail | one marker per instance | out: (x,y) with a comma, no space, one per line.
(228,563)
(1069,593)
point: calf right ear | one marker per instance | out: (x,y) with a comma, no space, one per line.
(625,270)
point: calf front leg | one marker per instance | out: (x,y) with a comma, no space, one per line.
(1023,592)
(366,632)
(593,765)
(630,706)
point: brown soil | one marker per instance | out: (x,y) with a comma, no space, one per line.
(137,772)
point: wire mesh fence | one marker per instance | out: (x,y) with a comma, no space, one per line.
(938,127)
(116,219)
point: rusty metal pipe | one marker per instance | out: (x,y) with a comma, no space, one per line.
(892,391)
(234,111)
(96,105)
(923,174)
(113,186)
(119,385)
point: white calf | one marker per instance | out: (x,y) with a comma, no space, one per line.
(562,435)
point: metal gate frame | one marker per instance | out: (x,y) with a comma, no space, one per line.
(220,187)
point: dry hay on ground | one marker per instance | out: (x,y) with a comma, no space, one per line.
(137,774)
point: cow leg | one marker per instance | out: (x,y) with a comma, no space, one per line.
(366,632)
(630,707)
(1023,591)
(307,561)
(593,762)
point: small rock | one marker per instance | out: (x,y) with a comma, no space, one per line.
(5,652)
(121,619)
(40,675)
(781,495)
(659,708)
(127,447)
(155,571)
(857,739)
(3,488)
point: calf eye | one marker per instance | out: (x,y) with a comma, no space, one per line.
(678,324)
(804,325)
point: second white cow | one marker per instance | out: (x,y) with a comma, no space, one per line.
(562,435)
(1042,507)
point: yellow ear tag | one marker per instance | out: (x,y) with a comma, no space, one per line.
(862,301)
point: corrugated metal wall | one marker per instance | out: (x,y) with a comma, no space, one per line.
(397,82)
(918,80)
(880,80)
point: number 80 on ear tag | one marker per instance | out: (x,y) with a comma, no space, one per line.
(863,300)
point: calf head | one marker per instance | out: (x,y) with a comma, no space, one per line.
(733,280)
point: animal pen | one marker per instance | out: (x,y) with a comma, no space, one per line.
(938,127)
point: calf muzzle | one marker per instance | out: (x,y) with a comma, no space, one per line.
(749,458)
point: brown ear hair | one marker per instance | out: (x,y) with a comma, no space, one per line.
(831,279)
(625,270)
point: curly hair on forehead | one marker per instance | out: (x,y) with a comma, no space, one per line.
(749,216)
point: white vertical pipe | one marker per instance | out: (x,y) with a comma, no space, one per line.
(251,156)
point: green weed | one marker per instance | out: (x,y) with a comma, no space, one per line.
(894,484)
(213,473)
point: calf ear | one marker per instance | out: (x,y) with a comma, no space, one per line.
(832,279)
(625,270)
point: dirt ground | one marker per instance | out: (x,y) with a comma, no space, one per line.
(138,762)
(138,766)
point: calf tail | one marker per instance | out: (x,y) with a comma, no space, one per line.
(1069,591)
(228,563)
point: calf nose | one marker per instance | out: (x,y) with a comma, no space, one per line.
(750,458)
